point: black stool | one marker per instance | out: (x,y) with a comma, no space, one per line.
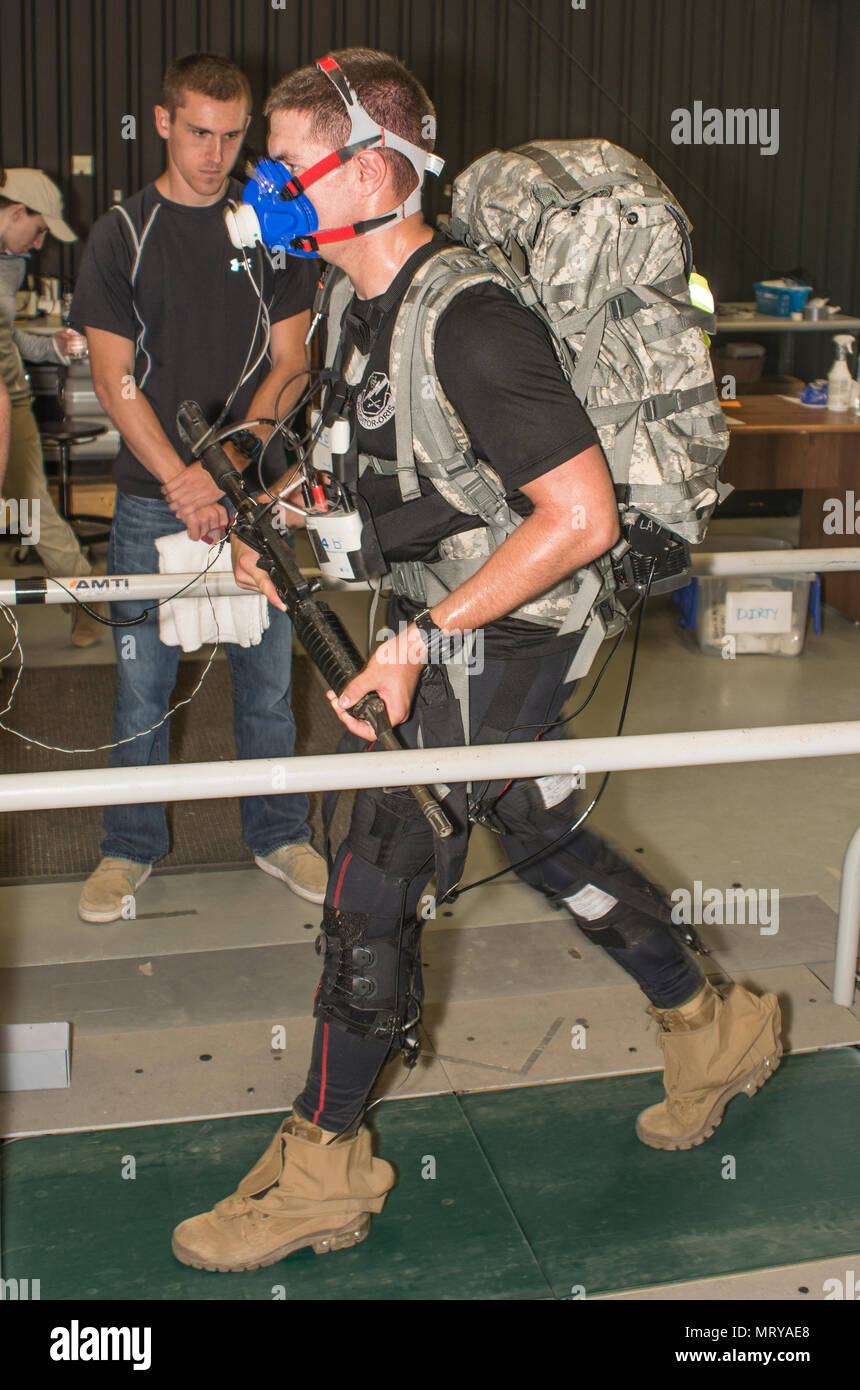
(65,433)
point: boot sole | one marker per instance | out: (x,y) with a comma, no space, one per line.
(322,1243)
(748,1084)
(296,888)
(113,915)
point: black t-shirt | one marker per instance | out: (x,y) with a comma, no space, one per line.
(497,366)
(190,312)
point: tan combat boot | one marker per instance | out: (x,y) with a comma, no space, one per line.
(309,1188)
(713,1048)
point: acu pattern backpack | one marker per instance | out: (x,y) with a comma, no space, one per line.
(589,238)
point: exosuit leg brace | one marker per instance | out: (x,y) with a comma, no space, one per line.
(612,903)
(368,1002)
(591,879)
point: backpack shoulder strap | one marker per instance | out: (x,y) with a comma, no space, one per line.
(427,426)
(331,303)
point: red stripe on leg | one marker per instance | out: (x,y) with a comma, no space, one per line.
(340,879)
(321,1107)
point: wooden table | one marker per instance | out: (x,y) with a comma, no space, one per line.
(778,443)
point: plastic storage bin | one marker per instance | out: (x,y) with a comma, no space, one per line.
(780,303)
(745,367)
(745,614)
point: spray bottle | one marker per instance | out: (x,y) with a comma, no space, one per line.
(839,377)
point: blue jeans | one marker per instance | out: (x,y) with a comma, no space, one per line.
(146,674)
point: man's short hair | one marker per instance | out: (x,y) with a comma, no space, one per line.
(386,89)
(207,73)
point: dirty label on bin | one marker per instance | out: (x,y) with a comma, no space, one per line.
(762,611)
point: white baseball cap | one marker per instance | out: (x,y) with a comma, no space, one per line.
(37,192)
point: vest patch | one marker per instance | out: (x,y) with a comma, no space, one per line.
(375,405)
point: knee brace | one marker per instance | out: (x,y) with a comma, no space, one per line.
(579,862)
(658,961)
(611,902)
(371,982)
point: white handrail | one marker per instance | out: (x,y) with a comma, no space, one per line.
(124,587)
(263,776)
(115,786)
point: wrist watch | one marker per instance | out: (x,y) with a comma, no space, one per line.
(428,629)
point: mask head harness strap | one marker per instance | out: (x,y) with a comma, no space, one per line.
(365,133)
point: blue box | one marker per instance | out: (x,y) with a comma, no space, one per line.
(780,303)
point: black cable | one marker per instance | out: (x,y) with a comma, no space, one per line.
(224,434)
(304,444)
(282,426)
(456,893)
(558,723)
(142,616)
(306,371)
(259,293)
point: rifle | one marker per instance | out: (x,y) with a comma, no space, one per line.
(319,630)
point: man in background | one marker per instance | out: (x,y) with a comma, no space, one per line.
(171,313)
(31,206)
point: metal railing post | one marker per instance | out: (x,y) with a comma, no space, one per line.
(848,927)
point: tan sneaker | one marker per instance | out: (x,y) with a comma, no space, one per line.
(110,888)
(307,1189)
(300,868)
(86,630)
(714,1048)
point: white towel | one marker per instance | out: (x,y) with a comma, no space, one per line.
(190,622)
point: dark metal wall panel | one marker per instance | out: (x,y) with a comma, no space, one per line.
(500,72)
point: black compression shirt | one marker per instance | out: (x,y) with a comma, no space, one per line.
(190,312)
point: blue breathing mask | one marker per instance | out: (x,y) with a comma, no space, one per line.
(264,216)
(276,209)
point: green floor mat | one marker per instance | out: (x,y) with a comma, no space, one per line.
(604,1212)
(73,1222)
(530,1193)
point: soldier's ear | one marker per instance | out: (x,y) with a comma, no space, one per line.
(161,117)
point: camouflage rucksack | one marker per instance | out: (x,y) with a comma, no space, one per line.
(589,238)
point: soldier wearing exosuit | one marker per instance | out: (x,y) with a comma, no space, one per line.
(318,1182)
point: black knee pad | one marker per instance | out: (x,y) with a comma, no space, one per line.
(620,928)
(371,982)
(649,951)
